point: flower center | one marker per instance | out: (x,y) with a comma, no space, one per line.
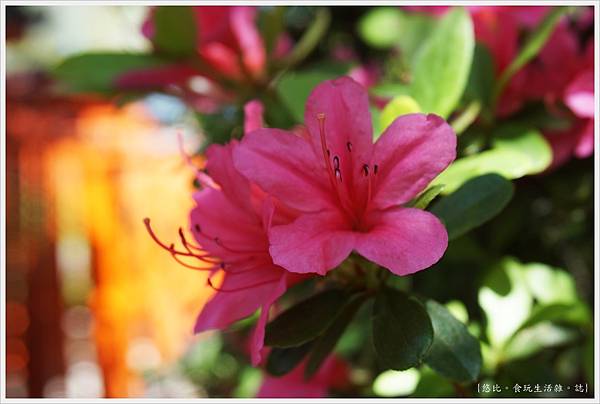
(353,190)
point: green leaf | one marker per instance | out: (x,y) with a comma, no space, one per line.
(431,384)
(394,383)
(441,68)
(389,90)
(533,339)
(423,200)
(402,330)
(454,352)
(381,27)
(481,77)
(386,27)
(175,30)
(576,313)
(516,151)
(474,203)
(295,87)
(222,126)
(401,105)
(306,320)
(550,285)
(284,360)
(532,46)
(326,342)
(506,301)
(97,72)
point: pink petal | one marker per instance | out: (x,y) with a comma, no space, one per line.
(253,116)
(228,307)
(258,336)
(403,240)
(579,95)
(284,166)
(249,40)
(412,151)
(348,128)
(218,218)
(233,184)
(585,145)
(314,243)
(222,58)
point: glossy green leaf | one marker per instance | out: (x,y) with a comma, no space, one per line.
(423,200)
(284,360)
(175,30)
(306,320)
(474,203)
(441,68)
(401,105)
(326,342)
(402,330)
(295,87)
(516,151)
(97,72)
(454,352)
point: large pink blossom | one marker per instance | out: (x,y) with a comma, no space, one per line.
(230,224)
(349,190)
(332,374)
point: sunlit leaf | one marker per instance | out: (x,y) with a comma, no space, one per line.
(402,330)
(394,383)
(533,339)
(401,105)
(550,285)
(506,307)
(431,384)
(424,198)
(381,27)
(576,313)
(516,151)
(441,70)
(473,204)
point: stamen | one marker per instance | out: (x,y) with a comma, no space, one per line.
(218,242)
(171,248)
(366,170)
(336,162)
(209,282)
(338,174)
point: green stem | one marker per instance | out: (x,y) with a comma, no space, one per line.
(466,117)
(309,40)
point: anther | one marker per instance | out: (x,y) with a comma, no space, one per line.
(197,228)
(338,174)
(366,169)
(336,162)
(349,146)
(375,168)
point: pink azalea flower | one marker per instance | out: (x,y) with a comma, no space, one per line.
(349,190)
(333,374)
(230,224)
